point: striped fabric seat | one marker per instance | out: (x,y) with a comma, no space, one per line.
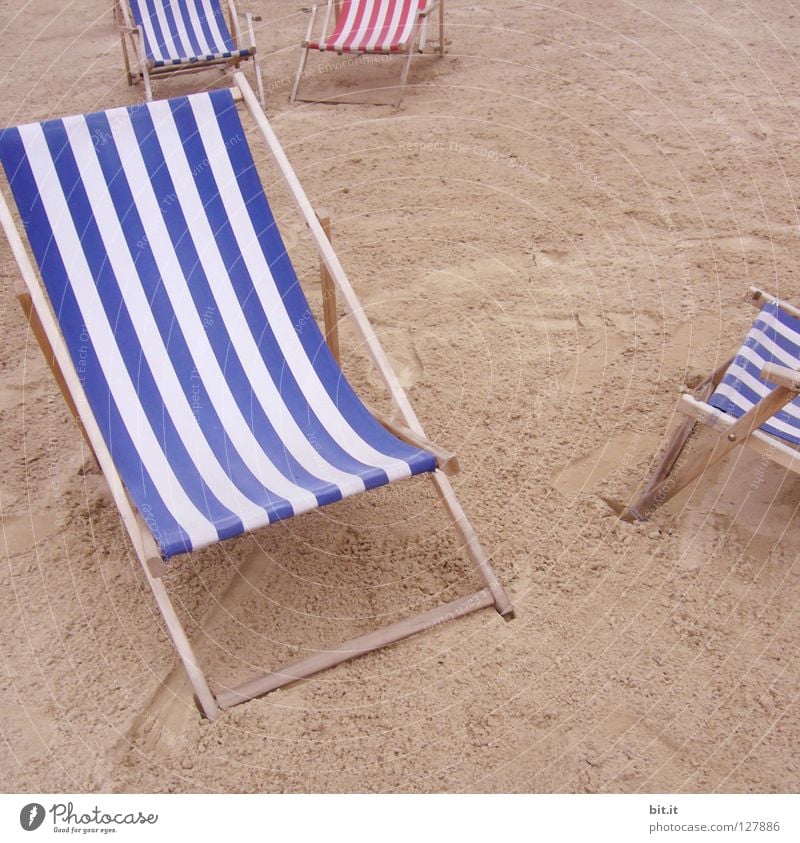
(773,338)
(213,387)
(370,26)
(184,31)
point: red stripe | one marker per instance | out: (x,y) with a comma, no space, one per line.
(351,36)
(344,11)
(401,24)
(387,31)
(387,22)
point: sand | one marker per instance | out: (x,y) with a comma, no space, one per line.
(552,235)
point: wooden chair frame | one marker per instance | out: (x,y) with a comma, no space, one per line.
(45,327)
(664,484)
(416,44)
(139,69)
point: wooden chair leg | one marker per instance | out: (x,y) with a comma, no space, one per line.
(329,310)
(151,561)
(684,431)
(469,541)
(300,68)
(713,452)
(406,66)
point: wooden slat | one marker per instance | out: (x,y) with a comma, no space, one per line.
(329,312)
(684,430)
(763,443)
(446,460)
(355,647)
(758,298)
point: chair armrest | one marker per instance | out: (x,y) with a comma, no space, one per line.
(446,461)
(782,375)
(758,298)
(429,7)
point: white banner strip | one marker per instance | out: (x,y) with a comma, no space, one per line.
(618,818)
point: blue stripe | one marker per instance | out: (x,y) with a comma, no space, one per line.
(298,308)
(217,332)
(749,396)
(163,313)
(168,437)
(257,320)
(171,537)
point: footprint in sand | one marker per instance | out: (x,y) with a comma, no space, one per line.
(740,243)
(622,452)
(695,345)
(552,257)
(591,360)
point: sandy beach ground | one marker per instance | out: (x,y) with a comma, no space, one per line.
(551,236)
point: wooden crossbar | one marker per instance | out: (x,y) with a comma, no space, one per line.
(355,647)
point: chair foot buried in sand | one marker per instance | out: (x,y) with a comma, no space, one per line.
(752,400)
(162,38)
(371,27)
(204,431)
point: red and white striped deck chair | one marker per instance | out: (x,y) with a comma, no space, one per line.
(372,27)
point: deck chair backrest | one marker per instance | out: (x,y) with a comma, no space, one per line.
(773,338)
(383,25)
(179,30)
(204,367)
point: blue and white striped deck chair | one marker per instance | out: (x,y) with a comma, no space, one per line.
(143,221)
(752,400)
(166,37)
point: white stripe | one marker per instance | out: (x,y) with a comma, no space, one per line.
(398,10)
(181,32)
(193,20)
(199,529)
(169,386)
(301,367)
(213,23)
(149,30)
(384,10)
(292,436)
(348,26)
